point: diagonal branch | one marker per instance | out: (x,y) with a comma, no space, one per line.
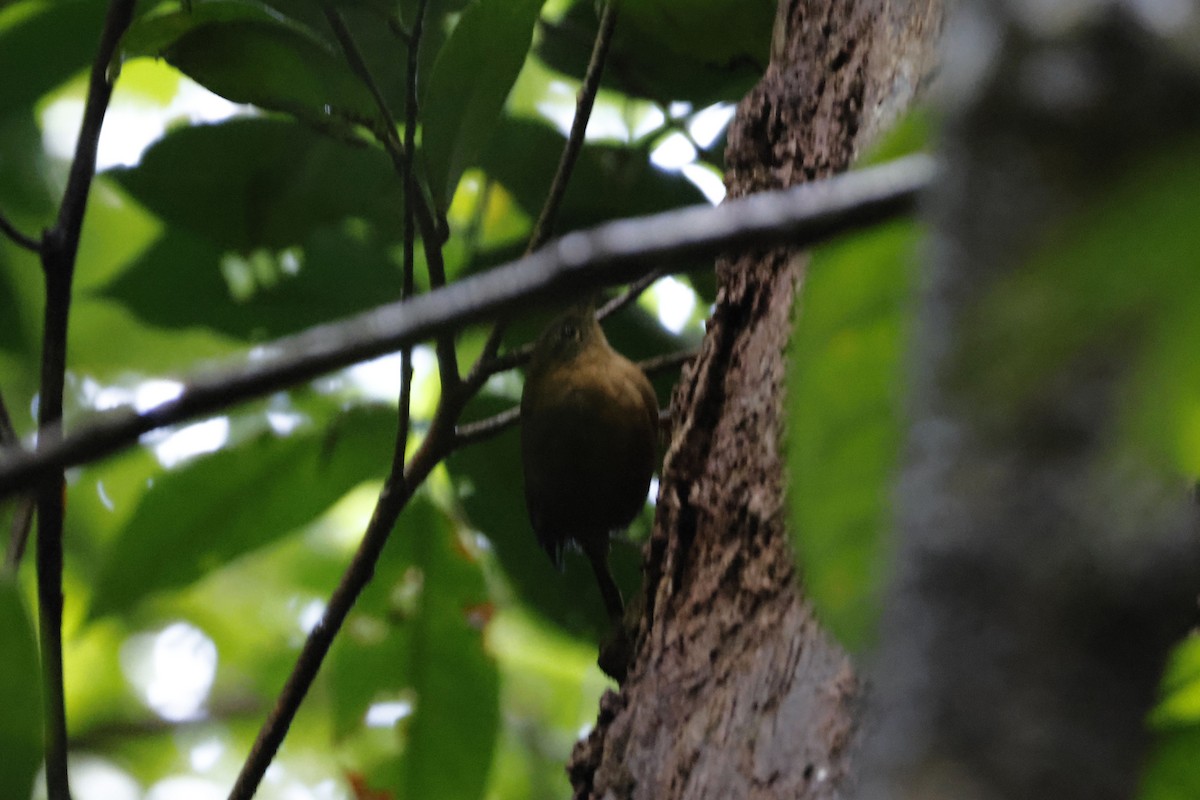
(8,433)
(402,155)
(629,295)
(401,482)
(392,500)
(20,239)
(580,262)
(520,355)
(23,514)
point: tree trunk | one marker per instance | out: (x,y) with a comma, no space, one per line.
(735,691)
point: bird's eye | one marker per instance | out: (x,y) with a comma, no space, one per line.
(569,331)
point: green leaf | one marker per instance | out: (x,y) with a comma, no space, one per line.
(251,183)
(109,344)
(699,51)
(844,422)
(21,722)
(471,78)
(16,333)
(488,476)
(179,282)
(30,200)
(216,507)
(417,633)
(115,231)
(608,181)
(1115,282)
(153,33)
(272,66)
(1180,703)
(1173,771)
(911,134)
(717,31)
(42,45)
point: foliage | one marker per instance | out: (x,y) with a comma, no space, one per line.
(466,670)
(201,559)
(846,422)
(846,410)
(21,725)
(1118,277)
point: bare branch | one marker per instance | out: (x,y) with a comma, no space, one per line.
(397,487)
(359,65)
(8,433)
(59,248)
(666,361)
(22,523)
(20,239)
(23,515)
(629,295)
(471,432)
(447,356)
(520,355)
(64,238)
(576,264)
(410,191)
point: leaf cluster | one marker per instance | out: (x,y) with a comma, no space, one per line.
(464,669)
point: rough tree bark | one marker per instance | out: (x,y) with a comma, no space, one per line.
(735,691)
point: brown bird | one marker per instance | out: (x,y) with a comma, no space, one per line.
(589,433)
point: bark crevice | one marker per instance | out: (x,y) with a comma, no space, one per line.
(735,691)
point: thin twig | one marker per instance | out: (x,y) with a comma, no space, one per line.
(401,154)
(558,186)
(22,523)
(446,354)
(401,482)
(358,64)
(20,239)
(666,361)
(8,433)
(23,514)
(390,141)
(400,453)
(105,736)
(511,359)
(59,249)
(519,356)
(396,26)
(472,432)
(616,252)
(628,296)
